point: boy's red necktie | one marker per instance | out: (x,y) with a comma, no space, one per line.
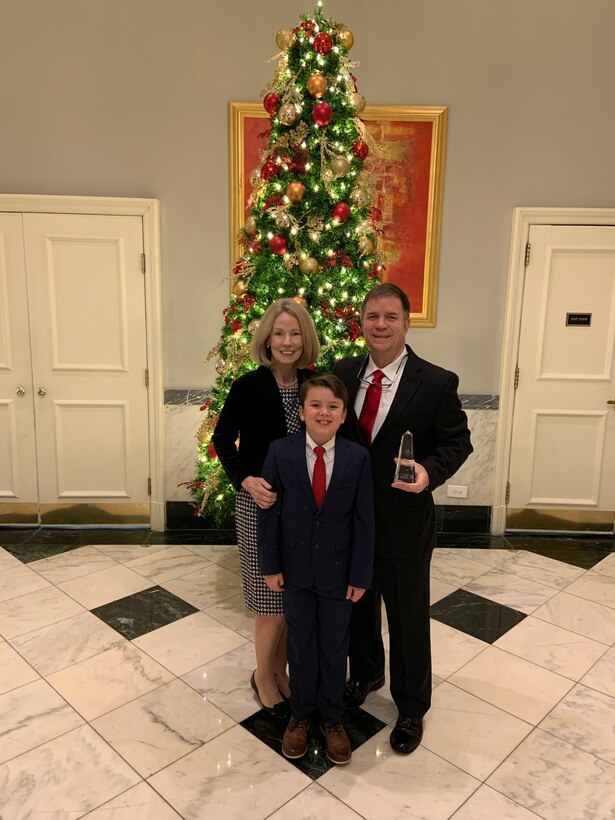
(319,477)
(369,411)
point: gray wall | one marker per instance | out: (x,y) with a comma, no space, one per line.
(129,98)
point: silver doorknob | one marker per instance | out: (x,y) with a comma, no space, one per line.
(20,391)
(41,391)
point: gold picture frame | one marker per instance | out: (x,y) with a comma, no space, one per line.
(408,165)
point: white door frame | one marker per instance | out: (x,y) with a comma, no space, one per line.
(149,211)
(523,219)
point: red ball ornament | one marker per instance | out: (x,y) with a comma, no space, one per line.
(340,212)
(269,170)
(322,114)
(270,102)
(359,149)
(323,43)
(211,450)
(278,245)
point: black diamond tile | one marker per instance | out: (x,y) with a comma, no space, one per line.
(144,611)
(476,616)
(469,541)
(193,537)
(584,553)
(34,550)
(359,725)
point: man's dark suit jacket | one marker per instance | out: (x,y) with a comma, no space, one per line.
(327,548)
(426,403)
(252,412)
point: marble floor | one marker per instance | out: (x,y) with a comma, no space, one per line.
(125,661)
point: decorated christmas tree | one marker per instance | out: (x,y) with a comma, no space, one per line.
(310,231)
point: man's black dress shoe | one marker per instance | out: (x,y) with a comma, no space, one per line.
(407,734)
(280,710)
(356,691)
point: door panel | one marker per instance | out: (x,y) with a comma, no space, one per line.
(18,486)
(563,441)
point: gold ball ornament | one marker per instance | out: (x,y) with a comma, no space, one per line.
(239,286)
(358,197)
(255,177)
(339,166)
(220,366)
(295,191)
(358,102)
(367,245)
(300,301)
(285,39)
(287,114)
(282,219)
(250,226)
(253,325)
(316,86)
(345,37)
(308,265)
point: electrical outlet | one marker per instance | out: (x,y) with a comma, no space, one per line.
(457,491)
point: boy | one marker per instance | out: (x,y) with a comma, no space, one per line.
(316,545)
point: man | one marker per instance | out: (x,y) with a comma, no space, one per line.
(391,391)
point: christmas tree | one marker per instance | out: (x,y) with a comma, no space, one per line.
(310,232)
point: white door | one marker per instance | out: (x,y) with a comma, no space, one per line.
(562,469)
(18,477)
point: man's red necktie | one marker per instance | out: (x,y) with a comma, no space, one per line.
(369,411)
(319,477)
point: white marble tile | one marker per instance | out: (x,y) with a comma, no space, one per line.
(451,649)
(378,783)
(216,553)
(188,643)
(606,566)
(548,571)
(138,803)
(19,580)
(452,567)
(128,552)
(64,778)
(487,804)
(37,609)
(232,612)
(173,562)
(469,732)
(492,557)
(8,561)
(105,586)
(160,727)
(511,590)
(513,684)
(557,649)
(72,564)
(225,682)
(596,587)
(111,679)
(233,564)
(31,715)
(181,426)
(14,671)
(578,615)
(234,772)
(62,644)
(439,589)
(602,675)
(205,587)
(556,780)
(586,719)
(315,803)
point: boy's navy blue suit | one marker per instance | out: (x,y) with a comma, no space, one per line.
(320,552)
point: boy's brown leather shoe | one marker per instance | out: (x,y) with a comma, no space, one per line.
(338,745)
(295,740)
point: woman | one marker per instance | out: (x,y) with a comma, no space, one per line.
(261,406)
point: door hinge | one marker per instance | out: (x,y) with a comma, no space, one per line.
(516,384)
(142,263)
(146,377)
(507,499)
(528,253)
(149,486)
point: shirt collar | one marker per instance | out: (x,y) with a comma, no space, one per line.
(310,444)
(390,371)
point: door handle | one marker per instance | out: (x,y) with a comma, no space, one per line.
(611,402)
(41,391)
(20,391)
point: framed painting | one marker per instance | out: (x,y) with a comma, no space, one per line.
(408,169)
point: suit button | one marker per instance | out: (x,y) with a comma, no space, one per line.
(317,523)
(315,546)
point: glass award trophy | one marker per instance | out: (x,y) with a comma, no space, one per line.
(404,471)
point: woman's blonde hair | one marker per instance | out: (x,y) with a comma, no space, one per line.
(259,349)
